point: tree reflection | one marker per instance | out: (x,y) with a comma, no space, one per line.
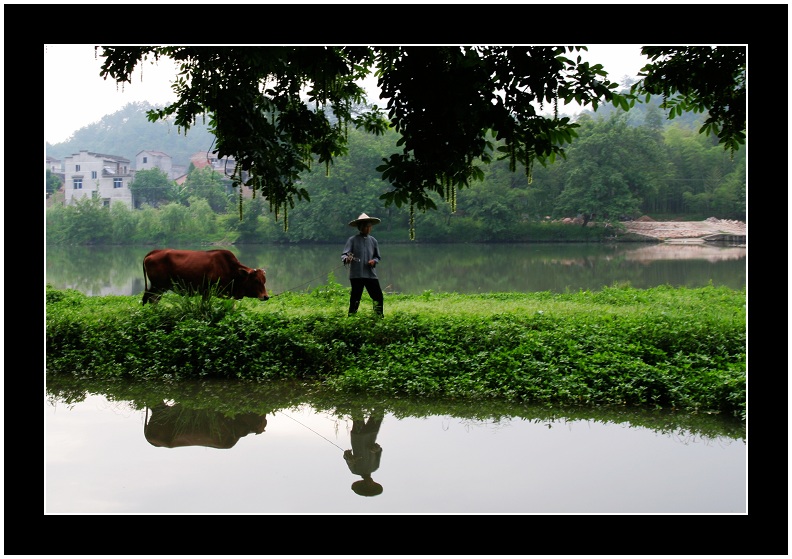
(448,268)
(239,399)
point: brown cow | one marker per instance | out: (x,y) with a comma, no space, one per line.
(199,271)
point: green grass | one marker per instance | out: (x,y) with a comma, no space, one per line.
(670,348)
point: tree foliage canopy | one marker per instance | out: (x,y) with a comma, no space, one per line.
(700,79)
(152,187)
(279,110)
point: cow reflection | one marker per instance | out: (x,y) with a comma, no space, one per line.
(364,457)
(171,426)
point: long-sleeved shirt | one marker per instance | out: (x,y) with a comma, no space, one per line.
(363,249)
(364,458)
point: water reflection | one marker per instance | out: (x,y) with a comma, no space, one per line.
(171,425)
(364,457)
(440,454)
(232,407)
(413,269)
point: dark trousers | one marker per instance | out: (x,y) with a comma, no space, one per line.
(374,290)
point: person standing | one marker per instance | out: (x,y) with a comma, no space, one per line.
(361,254)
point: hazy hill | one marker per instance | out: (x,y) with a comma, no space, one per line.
(128,132)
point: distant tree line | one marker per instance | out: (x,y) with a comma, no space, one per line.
(615,170)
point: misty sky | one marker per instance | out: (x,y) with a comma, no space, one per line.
(75,96)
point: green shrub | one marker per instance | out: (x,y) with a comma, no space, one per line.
(670,348)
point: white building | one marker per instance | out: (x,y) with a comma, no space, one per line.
(99,176)
(151,159)
(54,165)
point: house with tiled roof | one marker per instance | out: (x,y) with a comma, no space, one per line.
(200,160)
(108,177)
(224,166)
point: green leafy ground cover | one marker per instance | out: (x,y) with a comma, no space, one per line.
(671,348)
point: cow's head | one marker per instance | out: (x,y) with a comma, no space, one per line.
(253,284)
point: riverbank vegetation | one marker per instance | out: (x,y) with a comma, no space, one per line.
(661,348)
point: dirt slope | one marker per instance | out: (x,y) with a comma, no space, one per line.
(672,230)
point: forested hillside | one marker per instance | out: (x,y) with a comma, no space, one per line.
(128,132)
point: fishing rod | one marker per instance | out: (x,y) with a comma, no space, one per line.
(304,425)
(349,259)
(309,281)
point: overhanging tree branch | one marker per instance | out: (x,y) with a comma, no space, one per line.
(279,110)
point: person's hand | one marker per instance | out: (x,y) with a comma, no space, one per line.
(372,263)
(346,258)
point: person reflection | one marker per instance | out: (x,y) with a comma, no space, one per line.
(174,425)
(364,456)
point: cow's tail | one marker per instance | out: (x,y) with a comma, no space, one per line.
(145,275)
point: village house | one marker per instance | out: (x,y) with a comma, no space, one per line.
(224,166)
(108,177)
(151,159)
(55,165)
(99,176)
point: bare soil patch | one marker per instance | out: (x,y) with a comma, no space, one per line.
(674,230)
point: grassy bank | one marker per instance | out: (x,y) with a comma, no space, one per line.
(670,348)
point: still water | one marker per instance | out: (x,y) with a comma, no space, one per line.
(416,268)
(99,460)
(106,453)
